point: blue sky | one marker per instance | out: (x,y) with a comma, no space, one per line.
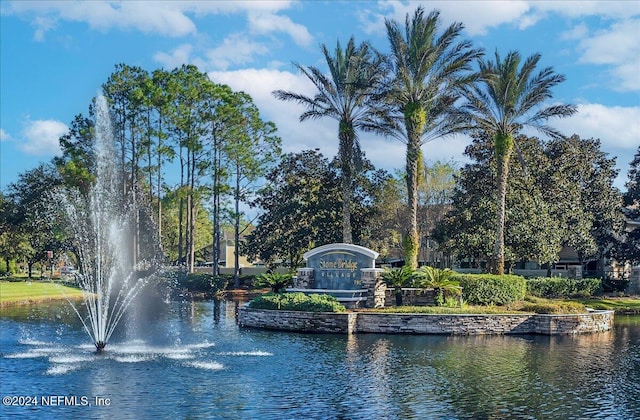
(55,55)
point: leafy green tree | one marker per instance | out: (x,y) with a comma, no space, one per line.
(77,163)
(507,97)
(344,95)
(252,150)
(124,93)
(377,209)
(13,242)
(580,192)
(631,249)
(531,231)
(300,210)
(35,215)
(188,129)
(428,70)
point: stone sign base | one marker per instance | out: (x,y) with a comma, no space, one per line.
(390,323)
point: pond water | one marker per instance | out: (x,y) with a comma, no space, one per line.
(190,360)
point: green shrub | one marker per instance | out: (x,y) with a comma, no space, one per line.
(490,289)
(201,282)
(560,287)
(297,302)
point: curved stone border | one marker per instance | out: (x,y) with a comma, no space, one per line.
(394,323)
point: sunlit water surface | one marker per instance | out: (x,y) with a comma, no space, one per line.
(190,360)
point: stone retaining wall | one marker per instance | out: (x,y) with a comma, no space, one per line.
(389,323)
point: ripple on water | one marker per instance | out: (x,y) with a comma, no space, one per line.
(205,365)
(245,353)
(62,368)
(71,358)
(133,358)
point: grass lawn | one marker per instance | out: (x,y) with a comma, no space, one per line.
(34,291)
(441,310)
(620,305)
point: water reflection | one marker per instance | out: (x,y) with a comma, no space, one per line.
(195,357)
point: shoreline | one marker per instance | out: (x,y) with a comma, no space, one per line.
(34,300)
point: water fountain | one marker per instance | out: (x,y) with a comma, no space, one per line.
(100,224)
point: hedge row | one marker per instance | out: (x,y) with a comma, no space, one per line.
(297,302)
(491,289)
(562,288)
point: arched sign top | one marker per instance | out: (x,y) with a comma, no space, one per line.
(340,247)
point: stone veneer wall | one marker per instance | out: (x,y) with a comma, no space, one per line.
(389,323)
(411,297)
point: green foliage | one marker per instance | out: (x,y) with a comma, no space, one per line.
(398,277)
(566,198)
(443,281)
(560,287)
(202,283)
(276,281)
(355,74)
(297,302)
(302,209)
(614,285)
(436,278)
(411,245)
(490,289)
(503,144)
(540,306)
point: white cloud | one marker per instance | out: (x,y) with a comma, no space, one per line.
(41,137)
(619,47)
(167,18)
(265,23)
(296,136)
(4,136)
(579,31)
(179,56)
(480,16)
(42,24)
(236,49)
(617,127)
(611,9)
(477,16)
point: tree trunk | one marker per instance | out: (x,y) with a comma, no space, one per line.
(216,209)
(347,196)
(415,120)
(346,136)
(411,239)
(181,210)
(503,145)
(236,232)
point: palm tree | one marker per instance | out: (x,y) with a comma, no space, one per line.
(344,95)
(506,98)
(428,70)
(398,278)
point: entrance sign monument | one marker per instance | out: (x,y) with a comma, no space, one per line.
(345,271)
